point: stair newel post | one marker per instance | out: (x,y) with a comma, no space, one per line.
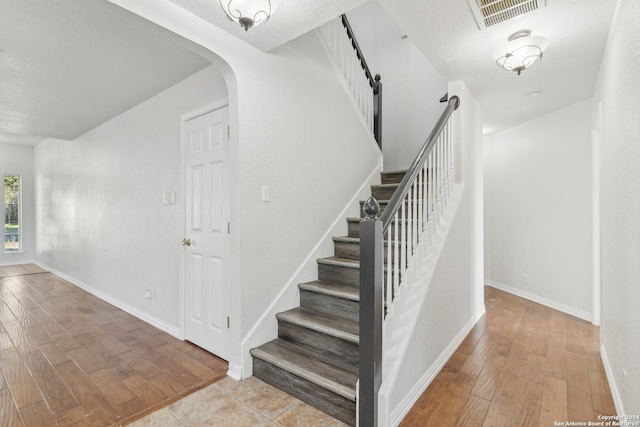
(371,313)
(377,110)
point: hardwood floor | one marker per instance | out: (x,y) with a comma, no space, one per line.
(523,364)
(68,358)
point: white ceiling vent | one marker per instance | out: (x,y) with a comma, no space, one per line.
(492,12)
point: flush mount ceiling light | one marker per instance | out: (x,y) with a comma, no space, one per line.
(247,13)
(520,52)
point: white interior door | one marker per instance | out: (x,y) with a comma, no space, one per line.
(207,231)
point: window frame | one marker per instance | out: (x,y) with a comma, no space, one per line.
(20,249)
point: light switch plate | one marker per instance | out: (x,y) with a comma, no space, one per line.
(169,198)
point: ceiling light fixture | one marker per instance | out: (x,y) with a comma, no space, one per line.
(520,52)
(247,13)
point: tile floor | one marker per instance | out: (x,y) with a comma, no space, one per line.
(248,403)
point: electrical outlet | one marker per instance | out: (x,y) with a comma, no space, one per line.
(265,193)
(624,384)
(524,278)
(149,295)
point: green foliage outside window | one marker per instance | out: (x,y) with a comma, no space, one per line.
(12,212)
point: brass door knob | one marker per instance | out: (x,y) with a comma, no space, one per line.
(186,242)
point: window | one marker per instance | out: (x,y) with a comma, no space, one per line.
(12,214)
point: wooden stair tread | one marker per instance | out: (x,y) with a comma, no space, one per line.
(337,327)
(304,364)
(359,219)
(347,239)
(343,262)
(382,201)
(333,289)
(340,262)
(386,201)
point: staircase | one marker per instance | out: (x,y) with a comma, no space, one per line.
(315,357)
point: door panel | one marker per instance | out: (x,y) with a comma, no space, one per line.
(207,293)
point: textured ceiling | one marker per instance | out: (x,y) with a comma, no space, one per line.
(289,19)
(447,34)
(69,65)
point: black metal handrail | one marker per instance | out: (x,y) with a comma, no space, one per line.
(405,185)
(356,46)
(374,82)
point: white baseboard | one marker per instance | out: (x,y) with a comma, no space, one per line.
(572,311)
(412,397)
(617,400)
(10,263)
(153,321)
(235,371)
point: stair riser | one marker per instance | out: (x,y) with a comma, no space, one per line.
(350,250)
(347,250)
(382,193)
(392,178)
(354,230)
(328,402)
(383,206)
(338,274)
(330,305)
(319,342)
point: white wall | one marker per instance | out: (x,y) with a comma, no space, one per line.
(101,220)
(18,160)
(455,296)
(293,128)
(311,150)
(411,85)
(618,90)
(538,209)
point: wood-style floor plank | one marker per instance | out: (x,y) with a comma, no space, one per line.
(73,418)
(473,412)
(489,377)
(144,390)
(579,400)
(554,401)
(38,414)
(530,365)
(529,398)
(113,389)
(502,408)
(19,381)
(9,415)
(70,359)
(51,385)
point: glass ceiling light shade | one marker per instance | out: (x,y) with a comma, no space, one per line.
(247,13)
(521,52)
